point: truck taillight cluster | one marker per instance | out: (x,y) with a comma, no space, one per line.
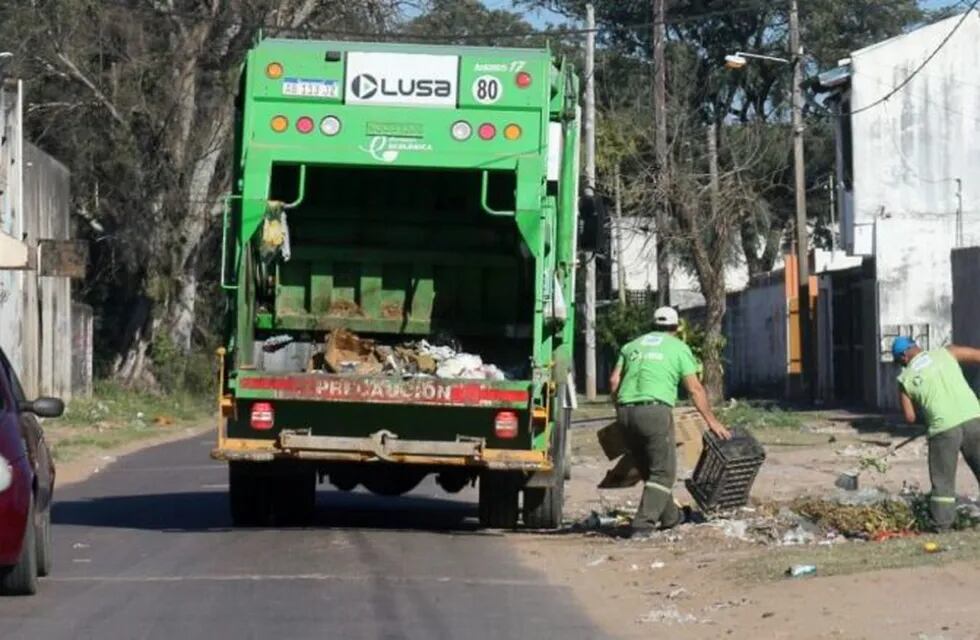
(329,126)
(506,425)
(263,417)
(462,130)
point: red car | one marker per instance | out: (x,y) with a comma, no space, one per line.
(26,486)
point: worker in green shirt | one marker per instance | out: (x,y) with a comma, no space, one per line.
(644,386)
(933,381)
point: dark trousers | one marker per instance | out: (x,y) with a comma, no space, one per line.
(649,434)
(944,450)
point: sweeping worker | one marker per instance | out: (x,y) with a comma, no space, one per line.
(933,382)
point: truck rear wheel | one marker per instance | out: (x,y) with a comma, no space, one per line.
(294,498)
(498,500)
(543,507)
(248,494)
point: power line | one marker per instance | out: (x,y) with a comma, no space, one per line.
(904,83)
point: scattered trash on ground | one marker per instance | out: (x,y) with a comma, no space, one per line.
(801,570)
(670,615)
(597,561)
(598,521)
(931,547)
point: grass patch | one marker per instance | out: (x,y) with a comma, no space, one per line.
(115,417)
(783,437)
(858,557)
(760,415)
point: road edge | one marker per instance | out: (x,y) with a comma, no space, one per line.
(81,469)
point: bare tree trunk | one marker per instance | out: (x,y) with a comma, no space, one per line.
(714,292)
(714,340)
(203,181)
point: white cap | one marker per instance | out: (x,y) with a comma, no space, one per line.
(665,317)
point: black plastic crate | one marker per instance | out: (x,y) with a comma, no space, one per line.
(726,470)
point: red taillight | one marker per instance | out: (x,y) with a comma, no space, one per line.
(505,425)
(263,417)
(523,80)
(305,124)
(487,131)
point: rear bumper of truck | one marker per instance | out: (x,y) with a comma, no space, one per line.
(380,447)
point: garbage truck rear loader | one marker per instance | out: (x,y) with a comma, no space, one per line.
(399,259)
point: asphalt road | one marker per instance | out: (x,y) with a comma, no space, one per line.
(145,550)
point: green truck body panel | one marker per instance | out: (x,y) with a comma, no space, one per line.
(397,230)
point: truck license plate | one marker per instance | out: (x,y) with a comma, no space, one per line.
(310,88)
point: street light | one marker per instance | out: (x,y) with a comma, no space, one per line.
(739,59)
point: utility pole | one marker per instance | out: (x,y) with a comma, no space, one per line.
(660,147)
(620,253)
(590,266)
(832,191)
(807,331)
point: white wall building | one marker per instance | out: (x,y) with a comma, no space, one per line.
(908,151)
(639,257)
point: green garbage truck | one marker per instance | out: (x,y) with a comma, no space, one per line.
(399,262)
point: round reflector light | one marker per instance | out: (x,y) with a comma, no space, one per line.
(274,70)
(280,124)
(305,124)
(523,80)
(330,126)
(512,132)
(462,130)
(487,131)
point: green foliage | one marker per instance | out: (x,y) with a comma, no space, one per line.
(114,416)
(618,324)
(760,415)
(176,371)
(467,17)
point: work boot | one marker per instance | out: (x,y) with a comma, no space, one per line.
(673,515)
(642,533)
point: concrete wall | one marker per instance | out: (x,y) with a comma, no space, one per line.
(11,224)
(908,155)
(756,353)
(35,312)
(82,332)
(639,256)
(47,202)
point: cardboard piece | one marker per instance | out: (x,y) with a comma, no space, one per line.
(688,429)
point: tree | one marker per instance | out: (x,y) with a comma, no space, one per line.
(460,20)
(137,98)
(747,208)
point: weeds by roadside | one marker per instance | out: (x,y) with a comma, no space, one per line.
(761,415)
(857,557)
(115,416)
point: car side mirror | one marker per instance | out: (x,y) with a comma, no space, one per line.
(45,407)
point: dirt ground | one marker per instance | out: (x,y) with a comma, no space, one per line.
(710,580)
